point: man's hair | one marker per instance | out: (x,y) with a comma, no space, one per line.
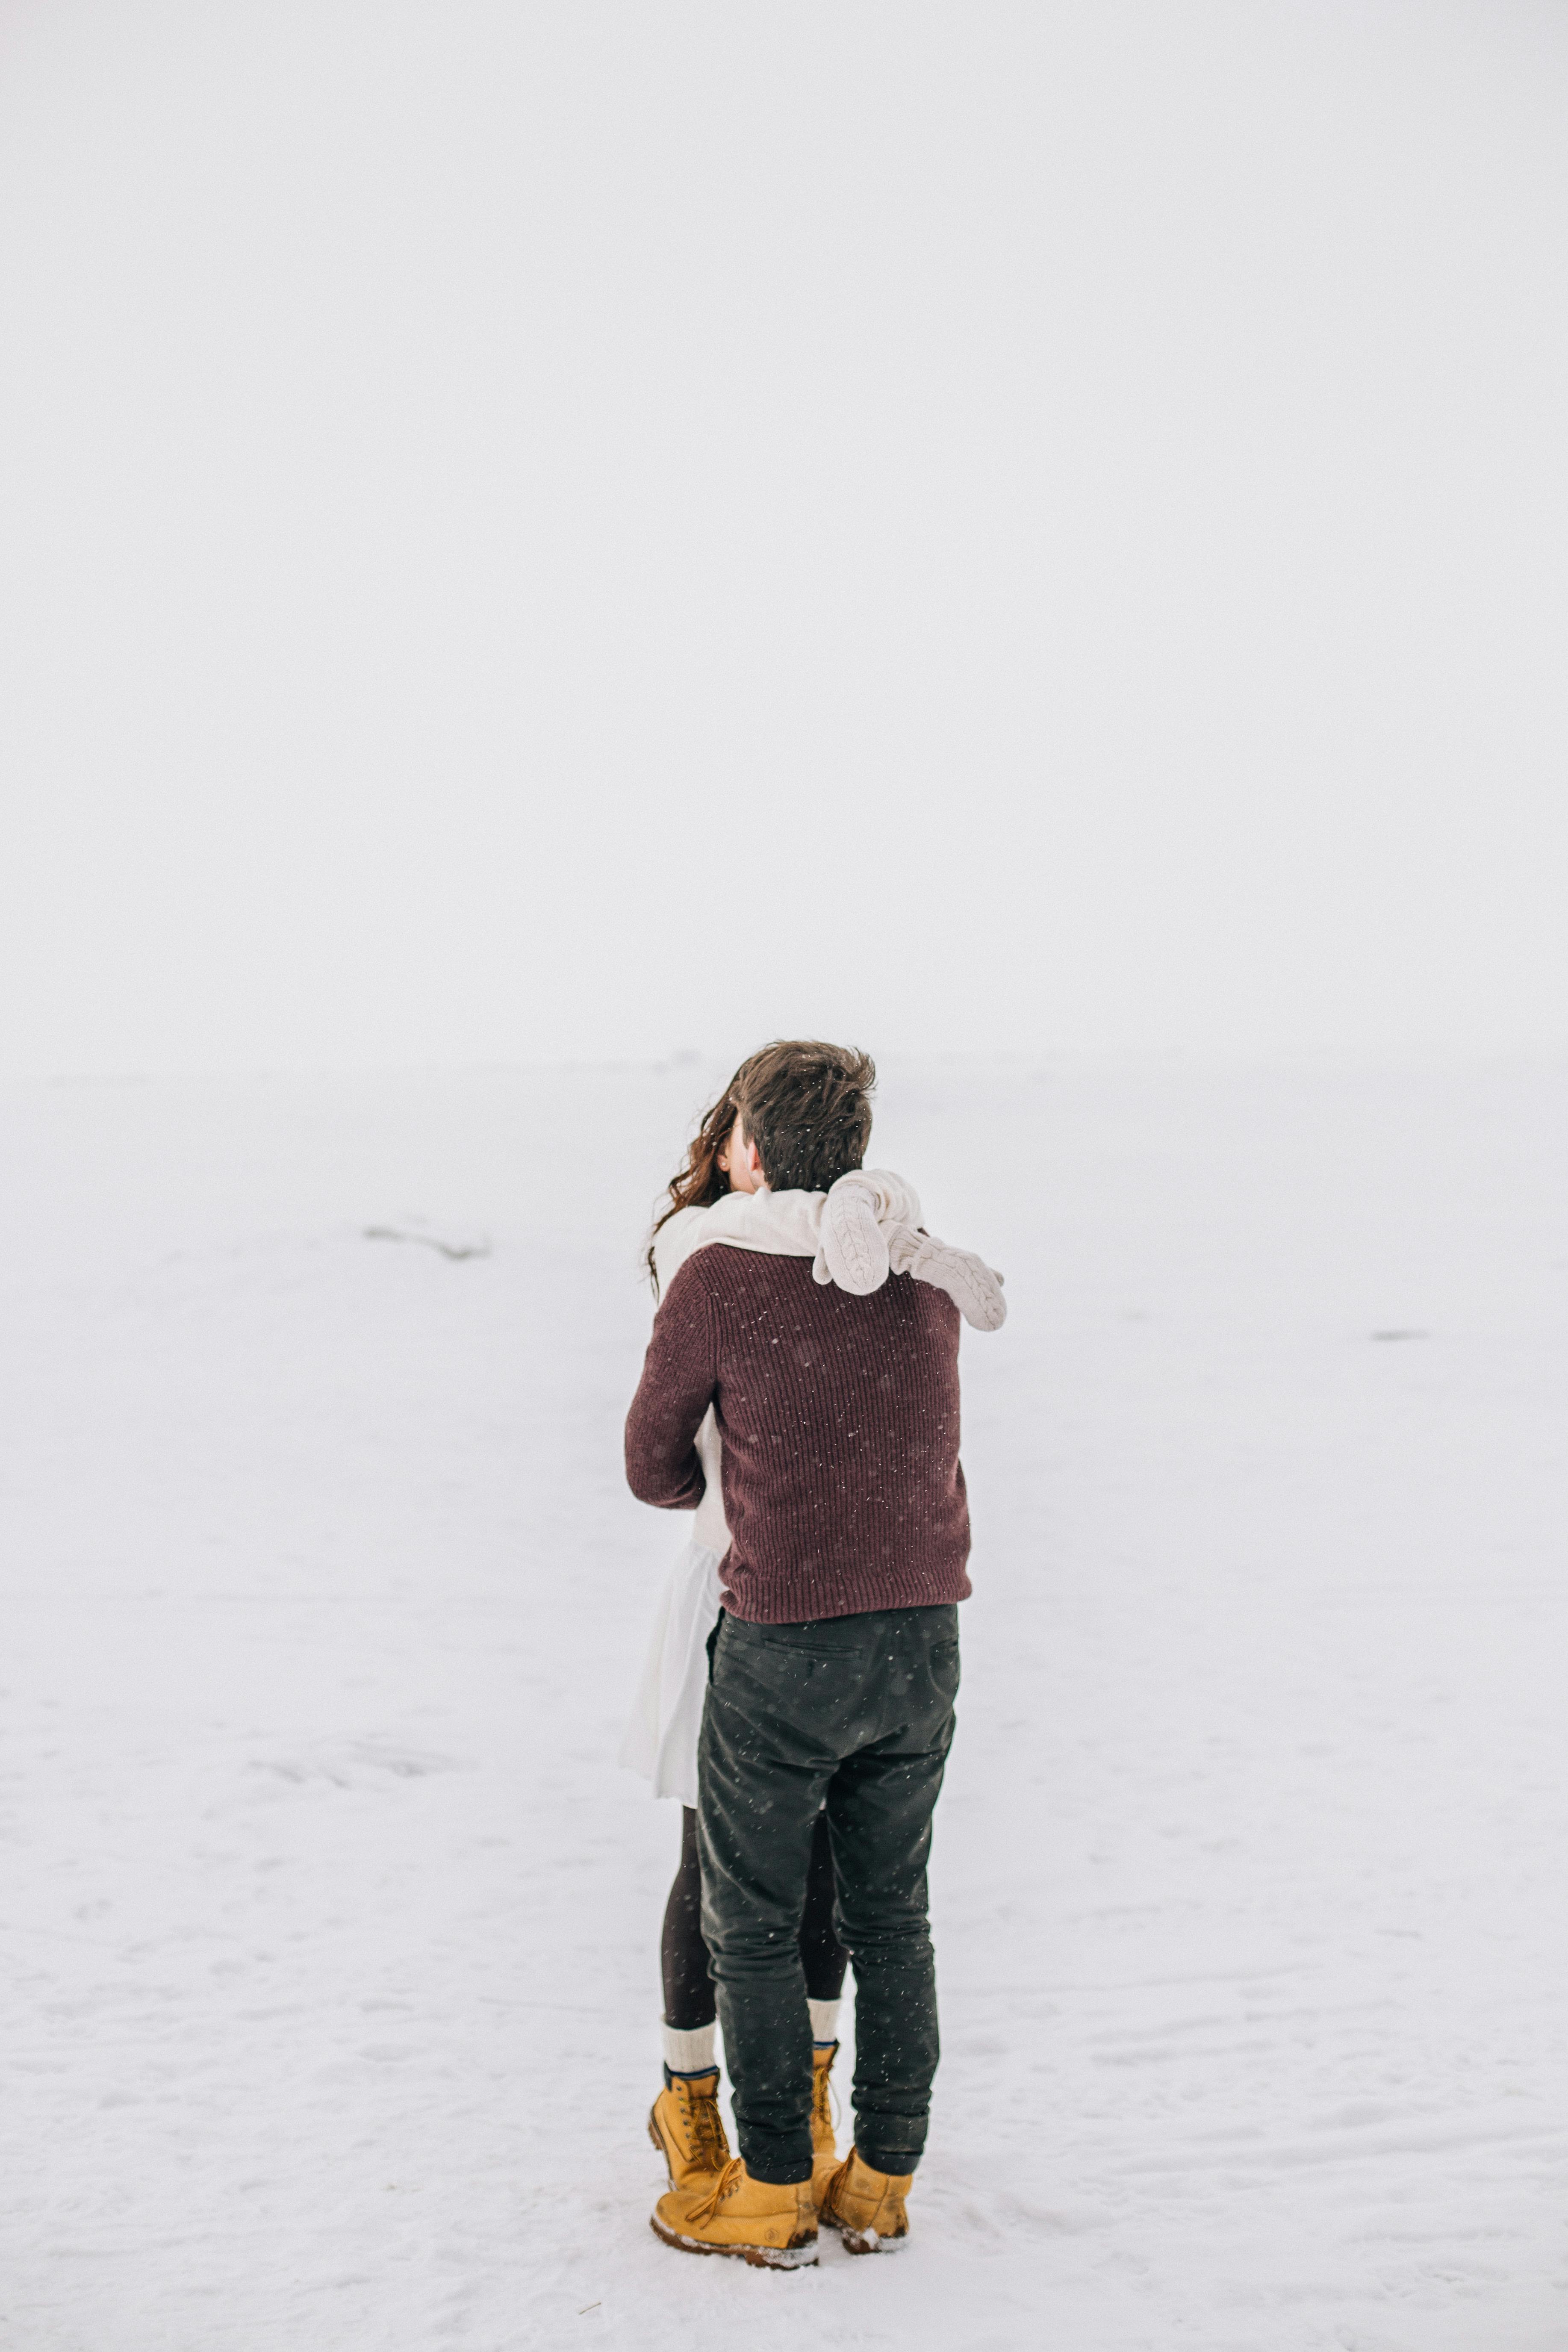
(806,1107)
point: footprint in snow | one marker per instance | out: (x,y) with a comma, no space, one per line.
(357,1763)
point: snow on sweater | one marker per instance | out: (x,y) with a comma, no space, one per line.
(868,1226)
(830,1418)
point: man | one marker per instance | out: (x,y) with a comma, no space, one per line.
(833,1667)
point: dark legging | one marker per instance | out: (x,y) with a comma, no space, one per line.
(688,1987)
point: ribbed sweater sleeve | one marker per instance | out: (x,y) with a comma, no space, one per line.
(678,1376)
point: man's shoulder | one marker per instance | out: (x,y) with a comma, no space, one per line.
(754,1281)
(724,1271)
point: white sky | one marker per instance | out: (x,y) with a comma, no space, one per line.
(581,530)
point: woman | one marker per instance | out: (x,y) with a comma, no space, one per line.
(865,1226)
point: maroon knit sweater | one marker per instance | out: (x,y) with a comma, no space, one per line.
(840,1420)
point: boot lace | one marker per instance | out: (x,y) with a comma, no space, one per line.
(709,2147)
(709,2203)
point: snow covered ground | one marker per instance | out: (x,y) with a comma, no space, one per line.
(329,1930)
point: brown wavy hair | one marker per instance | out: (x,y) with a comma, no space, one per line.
(806,1106)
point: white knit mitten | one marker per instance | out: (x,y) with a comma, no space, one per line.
(856,1216)
(854,1248)
(975,1287)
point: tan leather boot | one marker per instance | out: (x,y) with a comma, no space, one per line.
(686,2127)
(772,2226)
(866,2206)
(824,2146)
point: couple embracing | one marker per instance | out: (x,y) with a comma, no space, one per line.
(800,1396)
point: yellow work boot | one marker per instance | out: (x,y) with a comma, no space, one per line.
(866,2206)
(824,2146)
(685,2126)
(772,2226)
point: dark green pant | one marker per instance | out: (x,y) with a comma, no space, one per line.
(856,1711)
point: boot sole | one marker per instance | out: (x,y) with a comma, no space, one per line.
(862,2241)
(796,2256)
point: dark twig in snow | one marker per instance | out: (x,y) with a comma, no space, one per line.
(447,1249)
